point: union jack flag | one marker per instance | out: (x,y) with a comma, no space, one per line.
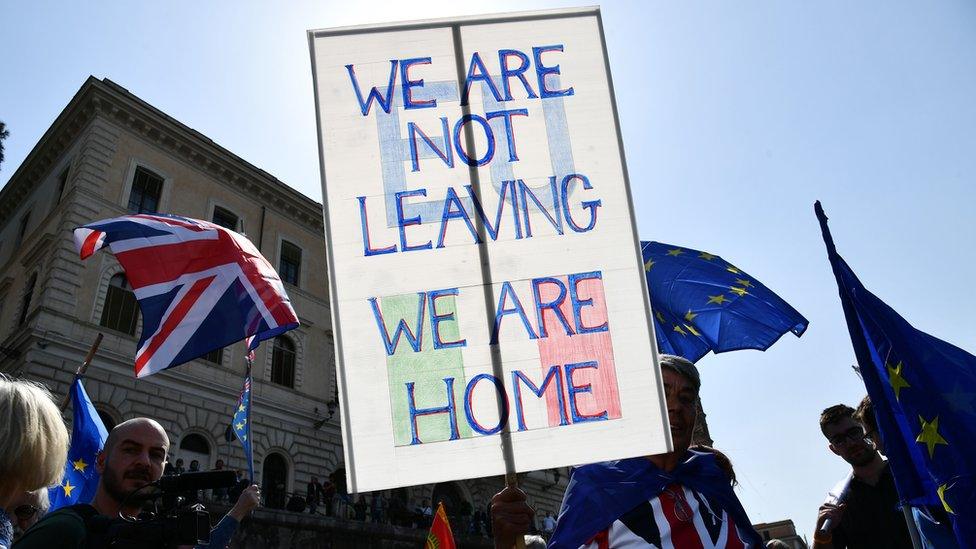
(199,286)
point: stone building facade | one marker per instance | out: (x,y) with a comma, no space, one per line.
(783,530)
(109,153)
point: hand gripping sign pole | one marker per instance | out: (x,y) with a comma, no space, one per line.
(534,302)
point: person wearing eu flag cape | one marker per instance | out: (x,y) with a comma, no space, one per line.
(679,499)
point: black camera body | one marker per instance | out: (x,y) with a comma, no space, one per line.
(185,526)
(174,522)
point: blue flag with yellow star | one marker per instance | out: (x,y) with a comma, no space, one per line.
(924,395)
(88,435)
(703,303)
(242,423)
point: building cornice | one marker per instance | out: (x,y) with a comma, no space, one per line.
(117,105)
(48,149)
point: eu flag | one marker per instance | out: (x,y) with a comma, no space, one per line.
(924,395)
(88,435)
(242,423)
(703,303)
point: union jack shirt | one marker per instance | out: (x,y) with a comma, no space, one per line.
(200,286)
(679,518)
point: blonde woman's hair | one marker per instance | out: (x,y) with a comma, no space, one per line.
(33,438)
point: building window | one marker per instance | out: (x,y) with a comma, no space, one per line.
(121,310)
(107,420)
(195,452)
(215,356)
(28,295)
(22,229)
(225,218)
(283,362)
(274,478)
(290,263)
(62,183)
(147,187)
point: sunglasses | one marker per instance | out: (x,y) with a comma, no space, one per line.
(854,434)
(25,511)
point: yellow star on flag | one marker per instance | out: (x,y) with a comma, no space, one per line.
(659,316)
(731,269)
(675,252)
(648,264)
(894,378)
(79,465)
(945,504)
(691,329)
(68,488)
(679,330)
(239,426)
(689,316)
(738,291)
(930,434)
(706,256)
(743,282)
(240,408)
(719,299)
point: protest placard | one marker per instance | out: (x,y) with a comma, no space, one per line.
(484,264)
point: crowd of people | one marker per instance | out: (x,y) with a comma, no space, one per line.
(683,498)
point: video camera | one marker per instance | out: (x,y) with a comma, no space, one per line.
(174,520)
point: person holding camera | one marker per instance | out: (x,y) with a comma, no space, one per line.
(132,458)
(33,446)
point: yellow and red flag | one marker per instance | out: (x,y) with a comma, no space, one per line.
(440,536)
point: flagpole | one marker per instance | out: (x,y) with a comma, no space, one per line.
(861,351)
(247,427)
(82,368)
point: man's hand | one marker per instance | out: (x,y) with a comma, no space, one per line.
(250,498)
(832,512)
(511,517)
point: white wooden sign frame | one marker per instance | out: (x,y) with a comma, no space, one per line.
(486,284)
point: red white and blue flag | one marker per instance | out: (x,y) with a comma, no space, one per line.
(199,286)
(631,503)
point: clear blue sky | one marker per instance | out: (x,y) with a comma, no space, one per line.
(736,116)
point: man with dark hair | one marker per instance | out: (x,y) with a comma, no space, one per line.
(869,516)
(682,498)
(132,458)
(933,523)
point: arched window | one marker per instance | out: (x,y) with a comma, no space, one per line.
(121,310)
(283,362)
(454,503)
(194,447)
(274,478)
(107,420)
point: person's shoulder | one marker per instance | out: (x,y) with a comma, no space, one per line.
(62,528)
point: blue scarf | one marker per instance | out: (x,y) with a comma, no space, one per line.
(600,493)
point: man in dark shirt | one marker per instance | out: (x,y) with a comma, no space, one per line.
(132,458)
(869,516)
(313,494)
